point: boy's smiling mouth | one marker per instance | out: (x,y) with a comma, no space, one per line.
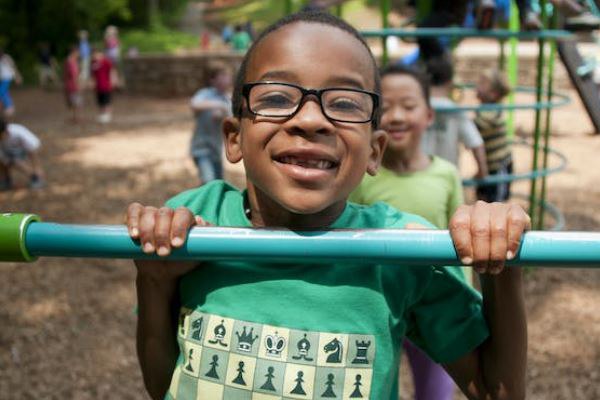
(306,165)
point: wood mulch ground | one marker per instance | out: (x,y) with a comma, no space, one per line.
(67,326)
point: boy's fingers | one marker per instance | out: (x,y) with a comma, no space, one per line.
(460,230)
(132,219)
(480,235)
(146,227)
(518,222)
(162,231)
(498,236)
(183,220)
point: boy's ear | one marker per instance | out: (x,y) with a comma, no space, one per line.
(379,141)
(232,139)
(430,116)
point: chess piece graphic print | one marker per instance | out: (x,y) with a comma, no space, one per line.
(219,333)
(212,372)
(361,352)
(239,379)
(336,349)
(299,381)
(268,385)
(356,394)
(190,358)
(303,348)
(197,327)
(329,393)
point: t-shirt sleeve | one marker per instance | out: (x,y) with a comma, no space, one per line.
(456,196)
(469,135)
(447,319)
(28,140)
(200,96)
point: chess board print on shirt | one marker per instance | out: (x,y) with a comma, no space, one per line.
(228,359)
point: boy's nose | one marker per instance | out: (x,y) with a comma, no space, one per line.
(309,119)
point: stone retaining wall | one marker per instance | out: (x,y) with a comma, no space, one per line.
(172,75)
(182,75)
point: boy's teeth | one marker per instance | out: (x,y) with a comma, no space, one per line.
(308,163)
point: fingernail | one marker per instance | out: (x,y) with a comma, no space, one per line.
(162,251)
(510,255)
(466,260)
(135,232)
(177,241)
(148,248)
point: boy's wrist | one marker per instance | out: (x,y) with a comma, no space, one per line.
(509,279)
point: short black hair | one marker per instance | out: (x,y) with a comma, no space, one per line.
(440,70)
(416,74)
(315,17)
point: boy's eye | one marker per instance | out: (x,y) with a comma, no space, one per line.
(273,100)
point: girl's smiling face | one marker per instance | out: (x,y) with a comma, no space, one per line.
(306,164)
(405,112)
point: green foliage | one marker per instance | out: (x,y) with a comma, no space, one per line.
(24,24)
(157,40)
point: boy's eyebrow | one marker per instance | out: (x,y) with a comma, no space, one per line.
(344,81)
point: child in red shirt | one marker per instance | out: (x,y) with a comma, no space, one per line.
(70,79)
(101,70)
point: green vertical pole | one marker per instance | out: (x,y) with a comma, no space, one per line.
(533,201)
(339,10)
(288,7)
(512,68)
(385,12)
(550,74)
(502,56)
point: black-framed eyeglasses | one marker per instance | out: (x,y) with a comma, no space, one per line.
(283,100)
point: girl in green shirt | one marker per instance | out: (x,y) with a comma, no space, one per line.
(414,182)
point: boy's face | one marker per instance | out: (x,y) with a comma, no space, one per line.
(485,91)
(307,163)
(405,113)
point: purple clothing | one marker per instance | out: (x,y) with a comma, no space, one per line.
(430,379)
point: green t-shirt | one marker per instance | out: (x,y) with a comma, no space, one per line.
(241,41)
(433,193)
(301,331)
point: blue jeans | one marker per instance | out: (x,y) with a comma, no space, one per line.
(5,98)
(209,168)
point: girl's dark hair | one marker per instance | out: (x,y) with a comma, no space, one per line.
(419,76)
(314,17)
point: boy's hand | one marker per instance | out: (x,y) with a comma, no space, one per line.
(159,230)
(485,235)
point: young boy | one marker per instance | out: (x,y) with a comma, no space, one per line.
(305,119)
(101,70)
(492,87)
(412,181)
(19,149)
(71,83)
(450,127)
(210,106)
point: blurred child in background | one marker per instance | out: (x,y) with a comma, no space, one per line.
(19,149)
(450,127)
(71,82)
(492,87)
(210,106)
(101,70)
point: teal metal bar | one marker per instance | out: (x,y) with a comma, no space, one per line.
(468,32)
(562,99)
(388,246)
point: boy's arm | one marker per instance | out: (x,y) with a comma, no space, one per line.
(485,235)
(34,158)
(159,230)
(481,160)
(156,341)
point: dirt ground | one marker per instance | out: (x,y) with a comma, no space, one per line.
(67,326)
